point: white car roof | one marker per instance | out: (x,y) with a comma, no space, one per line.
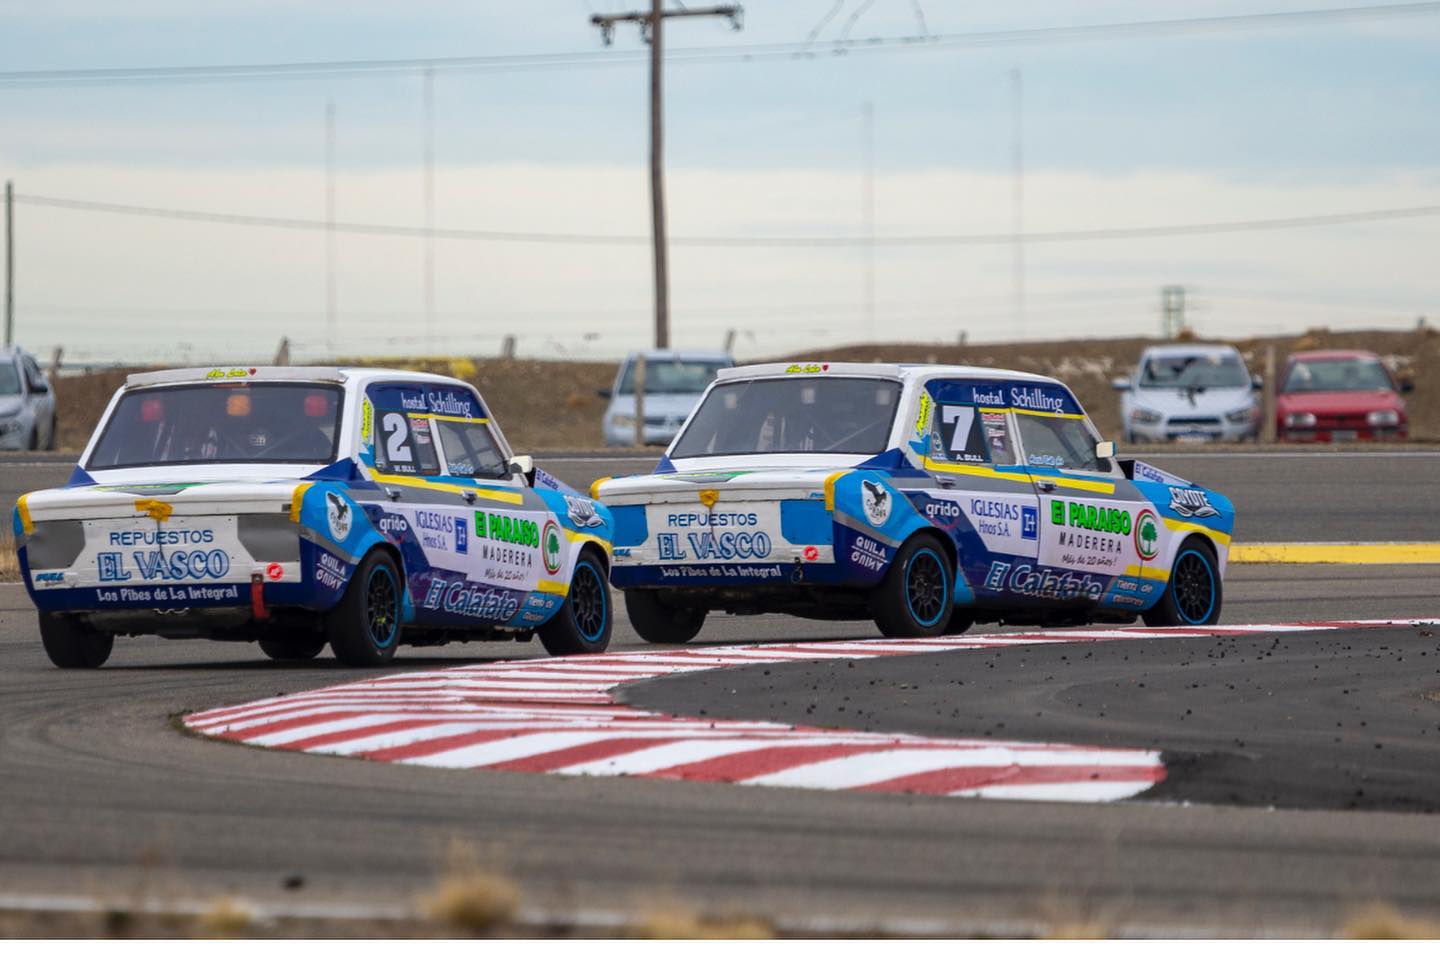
(241,372)
(1188,350)
(899,372)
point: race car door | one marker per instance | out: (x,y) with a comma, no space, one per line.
(470,533)
(1096,530)
(983,498)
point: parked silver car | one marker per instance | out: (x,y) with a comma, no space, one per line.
(674,382)
(27,405)
(1189,392)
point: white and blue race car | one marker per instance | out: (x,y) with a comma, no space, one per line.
(300,506)
(924,497)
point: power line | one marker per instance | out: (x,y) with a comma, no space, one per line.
(807,49)
(841,241)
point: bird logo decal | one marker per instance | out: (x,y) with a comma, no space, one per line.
(337,512)
(876,501)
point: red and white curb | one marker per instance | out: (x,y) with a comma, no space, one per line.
(557,715)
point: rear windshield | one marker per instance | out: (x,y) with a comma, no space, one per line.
(1195,370)
(221,423)
(793,415)
(672,377)
(1340,374)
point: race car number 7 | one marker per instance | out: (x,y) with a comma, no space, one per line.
(396,431)
(963,418)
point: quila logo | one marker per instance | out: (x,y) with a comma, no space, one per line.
(876,502)
(550,547)
(1147,535)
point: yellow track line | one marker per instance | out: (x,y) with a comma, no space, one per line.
(1339,553)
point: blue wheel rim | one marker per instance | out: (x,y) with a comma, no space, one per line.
(927,589)
(589,602)
(1192,586)
(382,607)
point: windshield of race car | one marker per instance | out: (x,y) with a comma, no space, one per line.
(1194,371)
(672,377)
(793,415)
(1341,374)
(219,423)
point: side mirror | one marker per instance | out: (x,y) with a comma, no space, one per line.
(1121,384)
(1407,386)
(1257,382)
(523,464)
(604,392)
(41,388)
(1105,450)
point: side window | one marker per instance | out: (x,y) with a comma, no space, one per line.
(470,450)
(964,429)
(32,372)
(402,435)
(1059,442)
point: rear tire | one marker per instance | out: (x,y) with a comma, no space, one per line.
(915,599)
(364,628)
(583,624)
(71,644)
(1194,592)
(660,623)
(293,649)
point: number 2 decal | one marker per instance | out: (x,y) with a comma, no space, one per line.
(396,432)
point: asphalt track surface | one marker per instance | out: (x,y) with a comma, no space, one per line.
(104,796)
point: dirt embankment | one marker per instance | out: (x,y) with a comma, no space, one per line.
(555,405)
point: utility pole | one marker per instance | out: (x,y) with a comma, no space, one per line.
(867,213)
(330,311)
(1172,311)
(1017,91)
(9,263)
(651,29)
(429,158)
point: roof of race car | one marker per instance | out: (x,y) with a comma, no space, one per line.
(900,372)
(272,373)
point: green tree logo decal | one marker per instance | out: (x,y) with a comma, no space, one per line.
(1147,535)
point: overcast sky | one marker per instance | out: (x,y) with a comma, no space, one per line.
(1119,131)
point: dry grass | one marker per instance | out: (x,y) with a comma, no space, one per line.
(9,562)
(680,923)
(470,898)
(226,918)
(1381,921)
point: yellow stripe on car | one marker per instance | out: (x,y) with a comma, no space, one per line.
(1219,537)
(830,489)
(505,497)
(296,498)
(26,525)
(595,486)
(981,471)
(552,587)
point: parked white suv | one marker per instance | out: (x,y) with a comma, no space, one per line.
(27,405)
(1189,392)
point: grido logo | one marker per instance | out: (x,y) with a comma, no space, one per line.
(393,524)
(1190,503)
(944,510)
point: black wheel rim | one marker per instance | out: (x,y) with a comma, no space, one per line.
(588,601)
(1194,585)
(925,587)
(382,609)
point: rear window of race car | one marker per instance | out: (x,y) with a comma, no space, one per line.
(792,415)
(280,423)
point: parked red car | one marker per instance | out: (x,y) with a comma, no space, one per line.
(1339,396)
